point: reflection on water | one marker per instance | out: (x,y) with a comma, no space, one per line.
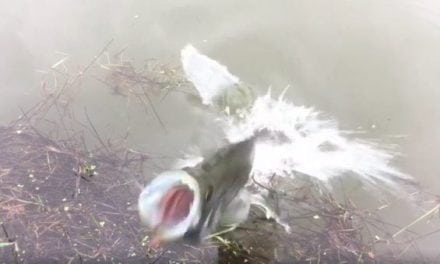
(371,64)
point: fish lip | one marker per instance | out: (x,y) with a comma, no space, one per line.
(149,209)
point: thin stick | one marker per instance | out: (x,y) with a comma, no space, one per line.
(87,67)
(154,109)
(95,131)
(417,220)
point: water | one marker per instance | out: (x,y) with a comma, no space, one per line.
(371,65)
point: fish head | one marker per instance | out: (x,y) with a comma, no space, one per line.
(170,205)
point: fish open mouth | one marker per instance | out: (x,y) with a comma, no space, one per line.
(175,205)
(170,205)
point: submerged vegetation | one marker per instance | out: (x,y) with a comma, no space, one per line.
(67,193)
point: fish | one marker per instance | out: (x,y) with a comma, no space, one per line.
(189,204)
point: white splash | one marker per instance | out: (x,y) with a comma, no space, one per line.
(315,146)
(208,76)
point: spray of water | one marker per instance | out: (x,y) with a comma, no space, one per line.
(314,146)
(209,77)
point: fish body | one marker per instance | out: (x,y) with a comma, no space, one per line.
(189,204)
(221,178)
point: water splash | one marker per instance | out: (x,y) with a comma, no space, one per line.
(315,146)
(209,77)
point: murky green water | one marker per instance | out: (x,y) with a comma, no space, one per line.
(370,64)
